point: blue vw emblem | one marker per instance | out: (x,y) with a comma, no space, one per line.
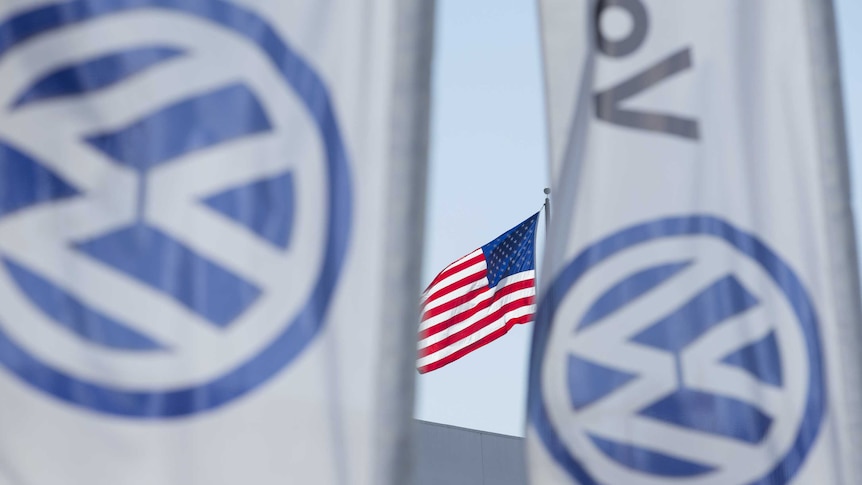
(680,350)
(174,208)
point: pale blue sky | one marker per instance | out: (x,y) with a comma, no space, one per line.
(488,168)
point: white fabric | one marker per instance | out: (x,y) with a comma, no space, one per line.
(760,89)
(339,412)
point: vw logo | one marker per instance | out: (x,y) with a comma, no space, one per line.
(682,350)
(174,208)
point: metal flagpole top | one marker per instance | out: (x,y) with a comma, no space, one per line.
(547,209)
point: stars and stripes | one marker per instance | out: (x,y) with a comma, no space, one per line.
(478,298)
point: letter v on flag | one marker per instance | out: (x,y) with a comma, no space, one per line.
(479,297)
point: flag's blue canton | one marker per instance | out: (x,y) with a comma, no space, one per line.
(513,252)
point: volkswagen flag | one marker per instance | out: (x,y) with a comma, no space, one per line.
(210,214)
(700,322)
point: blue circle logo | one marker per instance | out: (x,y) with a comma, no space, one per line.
(175,205)
(683,350)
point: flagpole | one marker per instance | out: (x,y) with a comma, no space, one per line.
(547,208)
(835,180)
(409,117)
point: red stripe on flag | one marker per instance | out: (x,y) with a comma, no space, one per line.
(475,345)
(479,325)
(456,268)
(445,307)
(460,317)
(458,284)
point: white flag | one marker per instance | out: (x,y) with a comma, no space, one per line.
(210,218)
(700,322)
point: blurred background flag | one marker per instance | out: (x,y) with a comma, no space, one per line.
(701,319)
(211,213)
(479,297)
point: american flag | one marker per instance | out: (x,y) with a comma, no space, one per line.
(479,297)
